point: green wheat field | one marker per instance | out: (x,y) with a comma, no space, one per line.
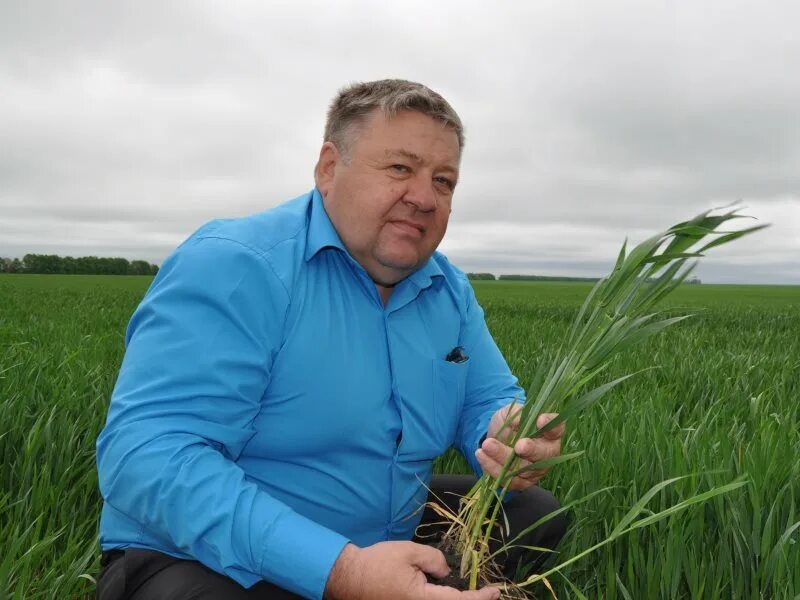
(723,402)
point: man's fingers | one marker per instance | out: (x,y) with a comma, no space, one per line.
(492,468)
(429,560)
(440,592)
(505,421)
(514,408)
(556,432)
(487,593)
(496,449)
(531,477)
(536,449)
(493,454)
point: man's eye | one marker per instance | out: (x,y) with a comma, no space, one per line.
(445,182)
(400,168)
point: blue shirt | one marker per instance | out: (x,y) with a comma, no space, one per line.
(270,408)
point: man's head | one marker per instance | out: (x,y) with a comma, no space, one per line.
(387,171)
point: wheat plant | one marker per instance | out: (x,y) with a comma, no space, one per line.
(619,312)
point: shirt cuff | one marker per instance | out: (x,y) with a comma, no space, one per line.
(299,555)
(479,435)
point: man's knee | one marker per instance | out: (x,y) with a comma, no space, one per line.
(536,503)
(139,574)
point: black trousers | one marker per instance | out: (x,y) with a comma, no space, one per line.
(137,574)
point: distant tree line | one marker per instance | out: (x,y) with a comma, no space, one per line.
(491,277)
(547,278)
(83,265)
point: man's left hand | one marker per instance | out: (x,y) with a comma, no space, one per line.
(494,451)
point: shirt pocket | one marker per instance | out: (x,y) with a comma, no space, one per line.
(449,389)
(433,396)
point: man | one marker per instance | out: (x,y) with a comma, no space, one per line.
(290,377)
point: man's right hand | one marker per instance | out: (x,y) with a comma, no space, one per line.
(394,571)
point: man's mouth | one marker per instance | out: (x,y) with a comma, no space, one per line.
(409,228)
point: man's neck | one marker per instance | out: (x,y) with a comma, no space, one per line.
(384,291)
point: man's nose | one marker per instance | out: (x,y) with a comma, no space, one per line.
(420,193)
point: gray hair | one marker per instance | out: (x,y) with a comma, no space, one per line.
(354,103)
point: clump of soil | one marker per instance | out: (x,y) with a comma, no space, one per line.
(453,580)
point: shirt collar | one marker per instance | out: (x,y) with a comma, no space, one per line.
(423,277)
(322,234)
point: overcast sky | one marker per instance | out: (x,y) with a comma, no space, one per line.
(126,125)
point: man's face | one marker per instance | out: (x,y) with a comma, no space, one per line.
(390,201)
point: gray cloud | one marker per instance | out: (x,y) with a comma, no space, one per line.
(125,125)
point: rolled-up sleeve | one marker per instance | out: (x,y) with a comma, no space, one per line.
(199,354)
(490,384)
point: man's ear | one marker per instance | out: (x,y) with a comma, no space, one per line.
(329,160)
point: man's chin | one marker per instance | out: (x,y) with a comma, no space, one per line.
(390,271)
(404,264)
